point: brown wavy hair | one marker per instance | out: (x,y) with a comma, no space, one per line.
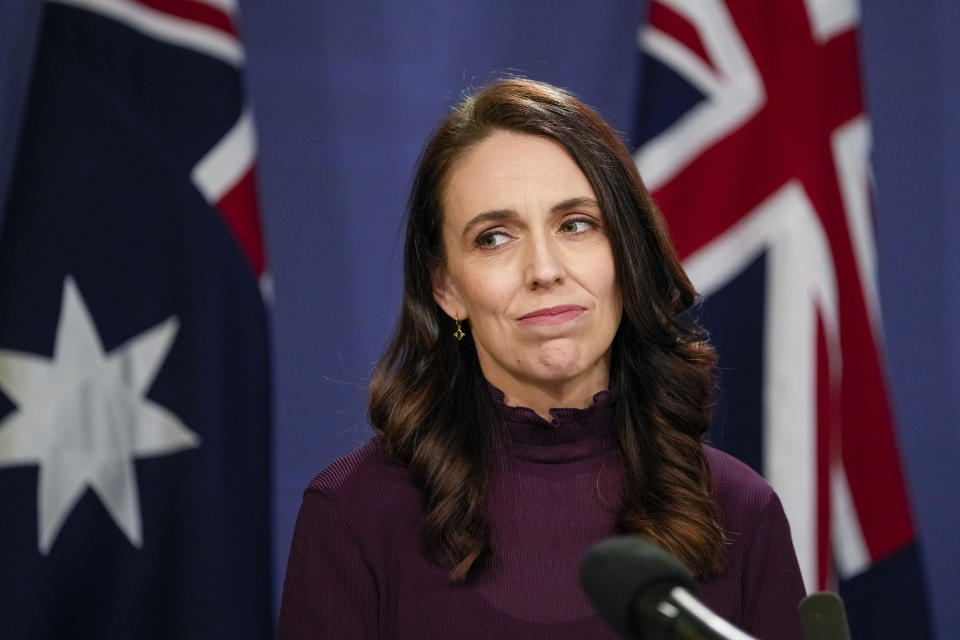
(430,404)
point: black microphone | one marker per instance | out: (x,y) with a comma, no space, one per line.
(644,592)
(823,617)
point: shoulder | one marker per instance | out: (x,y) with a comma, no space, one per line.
(756,527)
(366,464)
(358,472)
(365,484)
(760,584)
(738,489)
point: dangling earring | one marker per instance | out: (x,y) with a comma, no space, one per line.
(458,334)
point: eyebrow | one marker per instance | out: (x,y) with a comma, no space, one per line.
(574,203)
(487,216)
(506,214)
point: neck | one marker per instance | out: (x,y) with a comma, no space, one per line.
(542,396)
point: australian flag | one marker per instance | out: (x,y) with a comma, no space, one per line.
(754,140)
(134,382)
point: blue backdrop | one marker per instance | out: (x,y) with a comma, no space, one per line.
(344,97)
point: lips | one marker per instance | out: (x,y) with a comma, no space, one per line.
(552,315)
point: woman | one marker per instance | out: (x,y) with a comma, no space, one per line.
(544,389)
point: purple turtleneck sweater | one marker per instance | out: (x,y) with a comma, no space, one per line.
(356,569)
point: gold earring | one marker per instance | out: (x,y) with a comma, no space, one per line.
(458,334)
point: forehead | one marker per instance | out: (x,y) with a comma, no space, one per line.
(508,170)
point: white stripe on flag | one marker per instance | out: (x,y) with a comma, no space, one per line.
(850,144)
(829,18)
(800,281)
(227,6)
(737,90)
(167,28)
(849,546)
(228,161)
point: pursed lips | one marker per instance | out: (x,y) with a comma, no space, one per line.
(552,315)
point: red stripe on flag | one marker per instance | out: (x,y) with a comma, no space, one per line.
(676,26)
(239,210)
(828,438)
(870,451)
(194,12)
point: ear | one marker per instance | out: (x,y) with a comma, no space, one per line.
(446,295)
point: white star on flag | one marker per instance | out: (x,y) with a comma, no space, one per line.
(83,417)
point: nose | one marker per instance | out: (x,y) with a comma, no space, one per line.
(544,264)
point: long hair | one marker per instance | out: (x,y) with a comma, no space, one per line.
(429,401)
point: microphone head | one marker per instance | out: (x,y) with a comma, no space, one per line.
(618,572)
(822,616)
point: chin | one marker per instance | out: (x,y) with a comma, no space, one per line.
(558,364)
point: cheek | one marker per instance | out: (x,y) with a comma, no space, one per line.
(613,289)
(599,272)
(485,294)
(607,290)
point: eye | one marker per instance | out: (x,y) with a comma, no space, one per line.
(577,225)
(491,239)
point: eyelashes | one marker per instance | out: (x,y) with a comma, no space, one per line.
(491,239)
(577,225)
(572,227)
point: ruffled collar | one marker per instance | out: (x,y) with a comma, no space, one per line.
(572,434)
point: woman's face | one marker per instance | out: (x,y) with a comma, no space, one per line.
(529,263)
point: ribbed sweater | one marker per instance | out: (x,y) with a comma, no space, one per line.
(357,570)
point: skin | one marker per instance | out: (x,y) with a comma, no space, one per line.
(523,232)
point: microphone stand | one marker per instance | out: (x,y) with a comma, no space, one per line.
(681,616)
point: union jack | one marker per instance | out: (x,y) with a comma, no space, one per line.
(754,140)
(226,174)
